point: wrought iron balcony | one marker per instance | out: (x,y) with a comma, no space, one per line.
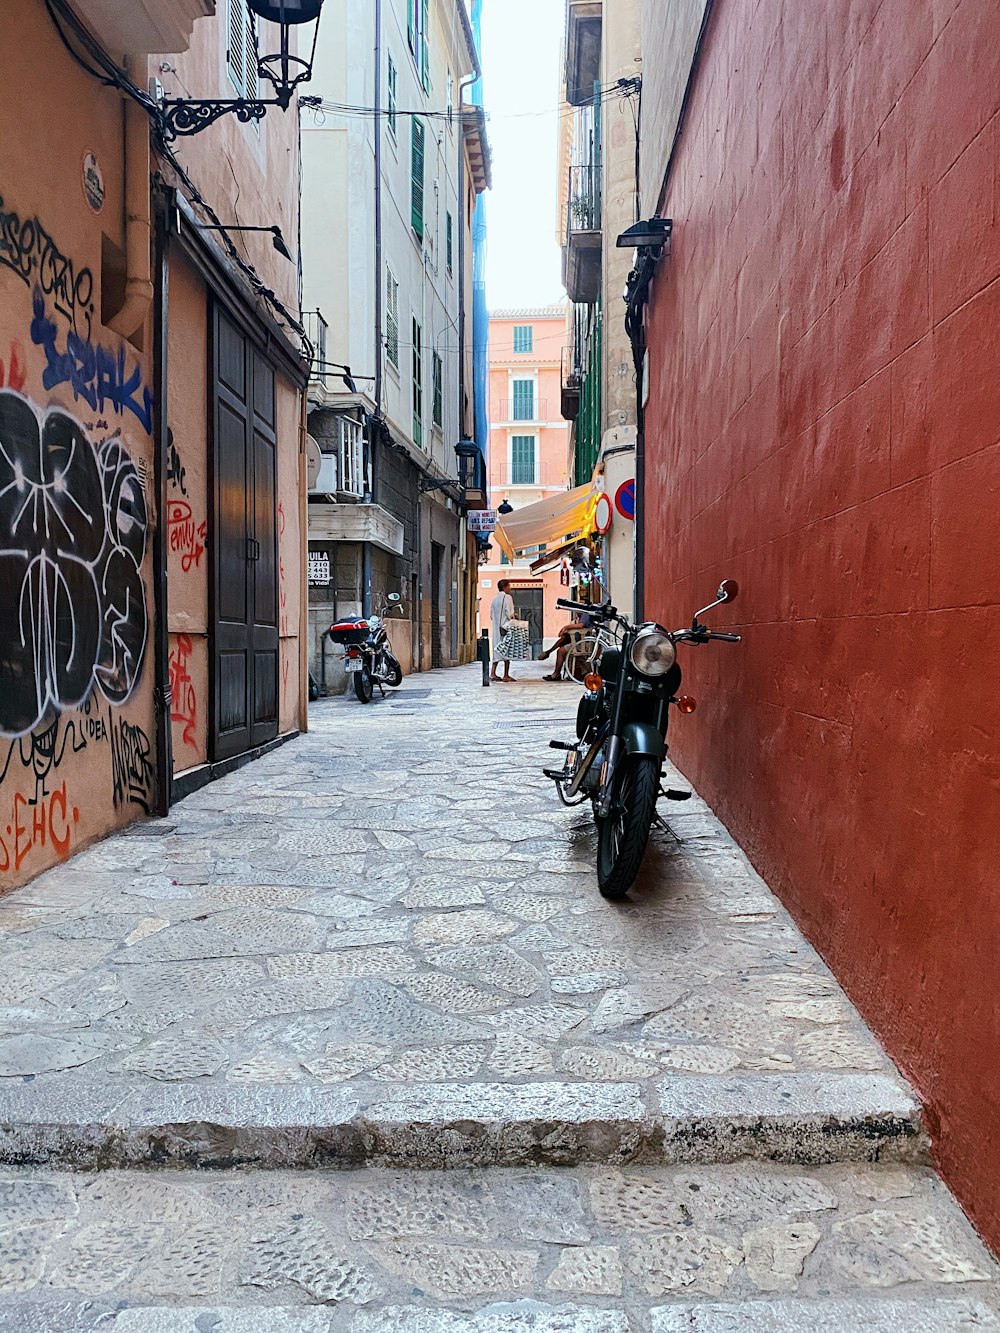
(582,251)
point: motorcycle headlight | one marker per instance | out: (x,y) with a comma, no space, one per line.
(653,652)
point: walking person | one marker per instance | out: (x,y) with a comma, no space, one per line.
(502,623)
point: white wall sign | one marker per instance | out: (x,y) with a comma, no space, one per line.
(319,568)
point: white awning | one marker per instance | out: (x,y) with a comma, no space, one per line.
(553,522)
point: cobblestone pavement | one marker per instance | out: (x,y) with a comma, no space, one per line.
(592,1248)
(384,943)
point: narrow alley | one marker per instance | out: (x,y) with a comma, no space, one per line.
(379,951)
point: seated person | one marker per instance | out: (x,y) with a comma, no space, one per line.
(563,643)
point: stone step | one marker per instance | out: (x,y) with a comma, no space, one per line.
(756,1248)
(932,1315)
(796,1118)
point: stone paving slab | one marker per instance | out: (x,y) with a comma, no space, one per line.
(385,938)
(639,1250)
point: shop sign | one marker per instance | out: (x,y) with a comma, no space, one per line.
(481,520)
(319,568)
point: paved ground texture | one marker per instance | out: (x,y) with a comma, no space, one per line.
(382,947)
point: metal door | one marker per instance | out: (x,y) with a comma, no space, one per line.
(437,561)
(245,603)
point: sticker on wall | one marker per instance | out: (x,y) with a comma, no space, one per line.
(93,182)
(602,514)
(625,499)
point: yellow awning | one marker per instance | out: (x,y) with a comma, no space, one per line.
(553,522)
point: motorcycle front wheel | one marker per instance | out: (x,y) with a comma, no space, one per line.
(363,684)
(622,836)
(394,672)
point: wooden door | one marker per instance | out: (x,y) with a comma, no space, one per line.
(245,601)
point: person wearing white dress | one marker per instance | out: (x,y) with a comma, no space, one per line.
(501,613)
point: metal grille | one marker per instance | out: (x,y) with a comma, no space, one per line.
(404,696)
(535,722)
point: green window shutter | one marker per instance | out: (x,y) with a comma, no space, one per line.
(391,85)
(417,179)
(523,405)
(425,64)
(437,407)
(522,460)
(449,231)
(523,341)
(411,21)
(418,385)
(392,319)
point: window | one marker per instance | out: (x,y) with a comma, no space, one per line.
(417,179)
(351,456)
(522,460)
(523,400)
(437,389)
(391,89)
(418,385)
(523,341)
(241,55)
(392,318)
(416,36)
(451,96)
(449,229)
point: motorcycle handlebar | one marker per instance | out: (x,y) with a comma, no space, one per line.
(729,638)
(603,609)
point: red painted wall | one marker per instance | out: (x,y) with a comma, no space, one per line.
(823,425)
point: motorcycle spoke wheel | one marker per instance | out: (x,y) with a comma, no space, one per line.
(363,685)
(624,833)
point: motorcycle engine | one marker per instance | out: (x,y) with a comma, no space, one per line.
(592,780)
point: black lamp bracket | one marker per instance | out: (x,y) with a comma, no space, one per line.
(180,117)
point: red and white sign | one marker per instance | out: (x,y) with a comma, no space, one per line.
(603,514)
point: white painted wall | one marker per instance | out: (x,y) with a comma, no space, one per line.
(338,241)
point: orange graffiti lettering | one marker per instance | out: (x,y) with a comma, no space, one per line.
(14,374)
(33,824)
(183,702)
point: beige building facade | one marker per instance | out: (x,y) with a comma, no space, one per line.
(151,470)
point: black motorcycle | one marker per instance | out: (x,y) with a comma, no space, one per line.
(368,658)
(621,726)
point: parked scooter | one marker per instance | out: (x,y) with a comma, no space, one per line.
(368,659)
(621,726)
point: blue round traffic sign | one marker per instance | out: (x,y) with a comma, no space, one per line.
(625,499)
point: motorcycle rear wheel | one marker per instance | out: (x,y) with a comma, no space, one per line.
(622,836)
(363,685)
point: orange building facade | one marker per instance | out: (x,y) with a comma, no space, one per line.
(529,458)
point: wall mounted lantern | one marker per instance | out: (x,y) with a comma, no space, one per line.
(282,70)
(652,234)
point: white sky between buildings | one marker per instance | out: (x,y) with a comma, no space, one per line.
(522,47)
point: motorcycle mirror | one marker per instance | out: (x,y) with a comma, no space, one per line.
(728,589)
(395,597)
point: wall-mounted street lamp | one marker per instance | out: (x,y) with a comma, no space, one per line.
(505,508)
(652,234)
(282,70)
(277,240)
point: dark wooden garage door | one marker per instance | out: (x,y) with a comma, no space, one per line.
(245,619)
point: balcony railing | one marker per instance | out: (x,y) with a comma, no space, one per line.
(583,209)
(517,409)
(571,378)
(520,475)
(316,326)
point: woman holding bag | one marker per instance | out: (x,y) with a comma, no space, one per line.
(508,633)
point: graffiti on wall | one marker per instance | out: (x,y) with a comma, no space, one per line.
(282,593)
(29,251)
(12,373)
(97,374)
(73,527)
(132,771)
(184,701)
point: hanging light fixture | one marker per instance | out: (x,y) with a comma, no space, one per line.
(282,69)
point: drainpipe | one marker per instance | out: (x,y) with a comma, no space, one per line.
(161,636)
(138,285)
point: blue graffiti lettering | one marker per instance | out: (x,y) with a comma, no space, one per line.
(95,373)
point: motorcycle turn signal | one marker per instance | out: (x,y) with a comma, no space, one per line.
(687,703)
(592,682)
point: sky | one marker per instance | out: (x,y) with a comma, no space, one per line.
(522,44)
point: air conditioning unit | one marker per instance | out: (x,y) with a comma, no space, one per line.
(325,481)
